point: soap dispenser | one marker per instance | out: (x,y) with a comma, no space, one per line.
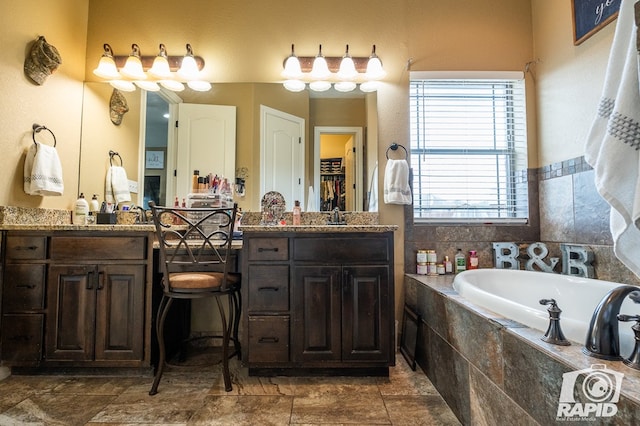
(94,205)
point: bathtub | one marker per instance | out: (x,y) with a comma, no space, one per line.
(515,294)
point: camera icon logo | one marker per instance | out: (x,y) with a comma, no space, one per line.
(590,392)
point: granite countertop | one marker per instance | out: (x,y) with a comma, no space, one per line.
(317,222)
(318,228)
(70,227)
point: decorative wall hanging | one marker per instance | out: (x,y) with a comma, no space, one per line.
(41,61)
(117,107)
(590,16)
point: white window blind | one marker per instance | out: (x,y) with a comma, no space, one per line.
(469,149)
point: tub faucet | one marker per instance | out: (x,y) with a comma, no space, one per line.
(602,338)
(554,334)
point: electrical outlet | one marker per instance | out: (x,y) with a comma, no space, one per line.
(133,186)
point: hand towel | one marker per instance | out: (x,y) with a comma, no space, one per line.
(42,171)
(373,191)
(117,186)
(396,182)
(311,200)
(613,141)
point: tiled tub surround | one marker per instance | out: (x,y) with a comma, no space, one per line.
(492,370)
(564,208)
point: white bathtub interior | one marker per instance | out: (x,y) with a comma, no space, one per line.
(515,294)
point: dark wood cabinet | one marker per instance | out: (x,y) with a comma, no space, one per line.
(318,301)
(76,299)
(95,313)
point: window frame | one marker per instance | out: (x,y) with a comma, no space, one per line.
(512,150)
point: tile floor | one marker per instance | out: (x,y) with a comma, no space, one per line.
(189,398)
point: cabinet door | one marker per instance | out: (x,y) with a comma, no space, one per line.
(120,313)
(366,322)
(316,332)
(71,312)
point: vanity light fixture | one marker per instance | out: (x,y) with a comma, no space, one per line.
(345,73)
(163,70)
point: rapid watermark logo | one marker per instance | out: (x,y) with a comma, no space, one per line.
(592,392)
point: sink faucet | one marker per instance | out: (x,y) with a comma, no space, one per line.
(602,338)
(336,215)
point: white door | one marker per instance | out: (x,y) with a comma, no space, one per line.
(206,142)
(282,162)
(349,176)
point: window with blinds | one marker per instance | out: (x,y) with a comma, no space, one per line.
(469,150)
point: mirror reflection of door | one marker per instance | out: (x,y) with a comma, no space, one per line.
(155,141)
(282,155)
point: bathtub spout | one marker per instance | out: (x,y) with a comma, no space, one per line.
(602,337)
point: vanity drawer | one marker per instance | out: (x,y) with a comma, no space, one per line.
(268,288)
(268,338)
(268,249)
(23,287)
(22,339)
(340,249)
(99,247)
(21,247)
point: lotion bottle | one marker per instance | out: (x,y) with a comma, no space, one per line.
(297,213)
(80,211)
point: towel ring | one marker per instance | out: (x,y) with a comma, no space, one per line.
(394,147)
(113,154)
(37,128)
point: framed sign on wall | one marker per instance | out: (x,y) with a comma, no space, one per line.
(590,16)
(154,159)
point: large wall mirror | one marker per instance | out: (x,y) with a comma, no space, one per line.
(334,125)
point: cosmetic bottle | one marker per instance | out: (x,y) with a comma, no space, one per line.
(297,213)
(473,260)
(94,205)
(460,261)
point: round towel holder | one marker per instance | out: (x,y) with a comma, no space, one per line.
(37,128)
(113,154)
(394,147)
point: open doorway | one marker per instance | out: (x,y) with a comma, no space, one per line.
(338,162)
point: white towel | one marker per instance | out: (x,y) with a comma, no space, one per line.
(42,171)
(396,182)
(373,190)
(614,139)
(311,200)
(117,186)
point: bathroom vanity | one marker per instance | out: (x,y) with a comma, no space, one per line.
(318,299)
(75,297)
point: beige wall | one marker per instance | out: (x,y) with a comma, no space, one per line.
(56,104)
(568,80)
